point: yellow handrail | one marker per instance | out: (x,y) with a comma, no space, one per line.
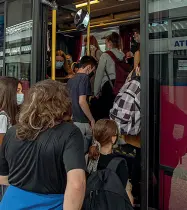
(88,31)
(53,56)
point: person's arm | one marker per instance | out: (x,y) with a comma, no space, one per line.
(85,108)
(84,92)
(1,138)
(122,172)
(75,190)
(74,161)
(4,169)
(4,180)
(129,192)
(98,54)
(100,74)
(3,127)
(136,59)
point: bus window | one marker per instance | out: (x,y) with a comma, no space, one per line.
(19,40)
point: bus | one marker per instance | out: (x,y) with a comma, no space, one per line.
(25,45)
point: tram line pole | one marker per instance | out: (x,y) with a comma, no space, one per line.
(53,56)
(88,30)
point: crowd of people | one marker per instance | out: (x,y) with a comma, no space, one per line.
(58,137)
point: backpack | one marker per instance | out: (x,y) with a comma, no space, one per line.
(105,190)
(126,111)
(122,71)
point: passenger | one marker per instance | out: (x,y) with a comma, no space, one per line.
(20,95)
(42,158)
(137,53)
(107,71)
(130,59)
(62,68)
(69,60)
(10,90)
(80,90)
(95,50)
(105,135)
(9,104)
(126,113)
(75,67)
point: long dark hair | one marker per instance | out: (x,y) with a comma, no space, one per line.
(46,105)
(8,101)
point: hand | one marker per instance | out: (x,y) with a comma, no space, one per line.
(97,97)
(92,123)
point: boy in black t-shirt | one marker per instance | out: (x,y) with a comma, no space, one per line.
(80,90)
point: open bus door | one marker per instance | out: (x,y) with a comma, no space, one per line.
(164,86)
(24,48)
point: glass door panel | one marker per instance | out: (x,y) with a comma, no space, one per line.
(19,40)
(168,104)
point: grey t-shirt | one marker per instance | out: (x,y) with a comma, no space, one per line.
(79,86)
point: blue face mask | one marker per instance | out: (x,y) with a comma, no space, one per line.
(59,64)
(20,98)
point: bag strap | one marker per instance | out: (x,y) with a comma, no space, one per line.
(114,163)
(111,84)
(112,55)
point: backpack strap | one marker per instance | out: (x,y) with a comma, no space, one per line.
(112,55)
(114,163)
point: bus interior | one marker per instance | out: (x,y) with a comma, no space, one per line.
(106,16)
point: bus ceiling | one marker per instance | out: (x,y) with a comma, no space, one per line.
(103,13)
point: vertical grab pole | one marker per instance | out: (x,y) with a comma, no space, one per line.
(53,56)
(88,31)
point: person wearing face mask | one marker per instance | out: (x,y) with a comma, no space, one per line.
(62,68)
(20,95)
(95,50)
(9,89)
(106,74)
(9,102)
(80,89)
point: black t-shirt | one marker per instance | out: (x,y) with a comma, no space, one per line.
(41,165)
(79,86)
(122,169)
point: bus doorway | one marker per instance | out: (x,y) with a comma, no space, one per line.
(164,110)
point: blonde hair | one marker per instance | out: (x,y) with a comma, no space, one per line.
(47,104)
(62,54)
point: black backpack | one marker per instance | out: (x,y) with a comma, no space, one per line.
(105,190)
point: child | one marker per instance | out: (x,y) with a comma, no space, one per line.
(105,135)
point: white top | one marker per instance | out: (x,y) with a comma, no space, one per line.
(3,124)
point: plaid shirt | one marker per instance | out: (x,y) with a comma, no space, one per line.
(126,108)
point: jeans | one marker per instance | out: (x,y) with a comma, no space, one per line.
(87,134)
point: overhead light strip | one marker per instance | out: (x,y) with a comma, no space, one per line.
(86,3)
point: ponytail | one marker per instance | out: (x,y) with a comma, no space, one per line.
(94,152)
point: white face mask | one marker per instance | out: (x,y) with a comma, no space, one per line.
(20,98)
